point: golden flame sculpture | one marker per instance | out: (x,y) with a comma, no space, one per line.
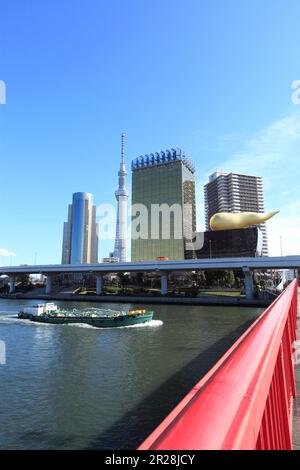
(230,221)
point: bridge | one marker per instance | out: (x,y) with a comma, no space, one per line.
(245,402)
(247,265)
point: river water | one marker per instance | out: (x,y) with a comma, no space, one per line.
(79,387)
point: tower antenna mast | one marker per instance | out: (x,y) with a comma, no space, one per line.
(122,147)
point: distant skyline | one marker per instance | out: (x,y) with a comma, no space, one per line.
(211,77)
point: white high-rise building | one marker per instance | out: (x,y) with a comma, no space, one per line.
(232,192)
(122,198)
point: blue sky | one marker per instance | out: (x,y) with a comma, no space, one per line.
(211,77)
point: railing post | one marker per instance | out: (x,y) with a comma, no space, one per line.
(284,400)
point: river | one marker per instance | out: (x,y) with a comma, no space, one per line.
(79,387)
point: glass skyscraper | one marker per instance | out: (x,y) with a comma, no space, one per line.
(163,204)
(80,238)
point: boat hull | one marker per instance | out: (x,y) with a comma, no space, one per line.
(100,322)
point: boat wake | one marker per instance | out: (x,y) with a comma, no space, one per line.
(13,319)
(82,325)
(149,324)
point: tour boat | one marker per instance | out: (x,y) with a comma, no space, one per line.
(101,318)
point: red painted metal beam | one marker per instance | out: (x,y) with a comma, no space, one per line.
(245,400)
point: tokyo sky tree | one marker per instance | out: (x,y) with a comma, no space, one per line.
(122,198)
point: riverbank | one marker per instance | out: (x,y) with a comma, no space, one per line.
(201,300)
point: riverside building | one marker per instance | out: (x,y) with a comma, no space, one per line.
(163,206)
(232,192)
(80,237)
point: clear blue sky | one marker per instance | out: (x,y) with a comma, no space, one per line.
(211,77)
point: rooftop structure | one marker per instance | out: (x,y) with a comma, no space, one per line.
(162,158)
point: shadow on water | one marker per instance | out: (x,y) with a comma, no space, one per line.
(130,430)
(30,439)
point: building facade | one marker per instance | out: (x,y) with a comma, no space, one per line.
(121,194)
(163,206)
(80,236)
(232,192)
(238,243)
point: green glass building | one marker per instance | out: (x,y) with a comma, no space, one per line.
(163,206)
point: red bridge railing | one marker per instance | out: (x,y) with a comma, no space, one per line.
(246,400)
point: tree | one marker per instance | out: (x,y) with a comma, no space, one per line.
(201,278)
(23,279)
(121,277)
(229,279)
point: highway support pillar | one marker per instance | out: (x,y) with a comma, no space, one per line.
(99,284)
(48,284)
(164,283)
(248,283)
(12,284)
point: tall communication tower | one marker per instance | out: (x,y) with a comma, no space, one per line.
(122,198)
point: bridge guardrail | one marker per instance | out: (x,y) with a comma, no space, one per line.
(245,401)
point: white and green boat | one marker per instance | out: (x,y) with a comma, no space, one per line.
(101,318)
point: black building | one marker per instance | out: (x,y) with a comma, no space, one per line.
(246,242)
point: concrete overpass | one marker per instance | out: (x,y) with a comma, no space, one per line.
(248,265)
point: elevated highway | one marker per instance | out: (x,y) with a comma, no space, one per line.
(248,265)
